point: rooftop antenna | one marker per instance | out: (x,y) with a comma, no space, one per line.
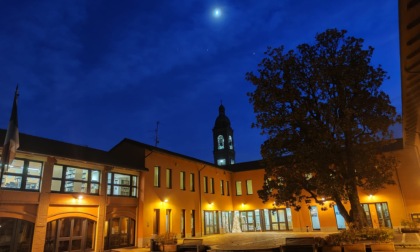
(156,134)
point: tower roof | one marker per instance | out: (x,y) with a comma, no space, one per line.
(222,120)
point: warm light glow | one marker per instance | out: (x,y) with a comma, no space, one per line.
(166,201)
(370,196)
(80,197)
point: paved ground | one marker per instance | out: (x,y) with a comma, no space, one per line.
(264,240)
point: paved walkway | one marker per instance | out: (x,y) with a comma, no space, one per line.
(265,240)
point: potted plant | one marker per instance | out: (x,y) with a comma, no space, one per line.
(409,226)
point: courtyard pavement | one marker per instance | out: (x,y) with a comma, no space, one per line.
(266,240)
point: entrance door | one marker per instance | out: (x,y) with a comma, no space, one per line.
(247,221)
(70,234)
(156,221)
(210,222)
(378,214)
(314,218)
(120,233)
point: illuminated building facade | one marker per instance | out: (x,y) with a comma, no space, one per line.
(57,196)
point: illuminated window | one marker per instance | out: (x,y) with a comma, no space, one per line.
(220,142)
(205,186)
(221,162)
(122,185)
(22,174)
(238,188)
(249,187)
(222,187)
(212,185)
(156,176)
(69,179)
(230,143)
(227,188)
(182,180)
(169,178)
(192,182)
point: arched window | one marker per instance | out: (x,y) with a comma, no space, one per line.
(70,234)
(16,235)
(220,142)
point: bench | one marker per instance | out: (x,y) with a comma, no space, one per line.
(300,244)
(195,245)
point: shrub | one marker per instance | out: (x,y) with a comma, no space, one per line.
(358,235)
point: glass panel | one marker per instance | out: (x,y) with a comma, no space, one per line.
(63,246)
(55,185)
(109,178)
(76,244)
(58,171)
(16,166)
(108,190)
(238,188)
(134,191)
(94,188)
(76,187)
(65,225)
(77,227)
(95,176)
(314,217)
(90,234)
(289,218)
(32,183)
(34,168)
(134,183)
(120,179)
(249,187)
(76,174)
(115,225)
(10,181)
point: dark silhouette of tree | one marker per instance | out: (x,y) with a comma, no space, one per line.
(326,120)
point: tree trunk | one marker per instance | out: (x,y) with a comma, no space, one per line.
(358,215)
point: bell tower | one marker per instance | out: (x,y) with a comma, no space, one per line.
(223,150)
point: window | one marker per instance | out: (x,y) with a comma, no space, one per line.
(122,185)
(169,178)
(220,142)
(230,143)
(192,185)
(249,187)
(227,188)
(156,176)
(205,184)
(182,180)
(212,185)
(69,179)
(238,188)
(22,174)
(221,162)
(222,188)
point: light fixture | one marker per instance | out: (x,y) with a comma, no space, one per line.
(78,196)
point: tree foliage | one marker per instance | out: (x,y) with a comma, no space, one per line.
(326,120)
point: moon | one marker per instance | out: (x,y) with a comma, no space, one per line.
(217,13)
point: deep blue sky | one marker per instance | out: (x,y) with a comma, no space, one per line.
(95,72)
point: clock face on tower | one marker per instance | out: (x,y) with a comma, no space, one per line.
(220,142)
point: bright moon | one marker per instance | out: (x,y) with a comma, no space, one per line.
(217,13)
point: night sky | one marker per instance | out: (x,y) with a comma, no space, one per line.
(95,72)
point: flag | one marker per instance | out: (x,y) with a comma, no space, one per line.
(11,142)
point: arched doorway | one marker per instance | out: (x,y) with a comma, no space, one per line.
(16,235)
(70,234)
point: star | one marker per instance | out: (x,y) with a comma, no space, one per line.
(217,13)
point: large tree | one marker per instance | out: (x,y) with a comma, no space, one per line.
(326,121)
